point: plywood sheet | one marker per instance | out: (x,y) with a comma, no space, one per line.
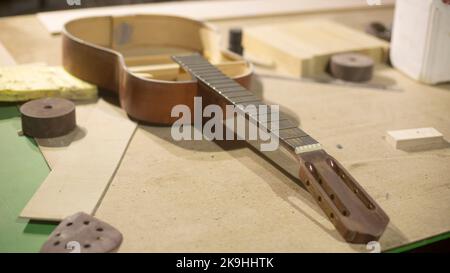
(206,10)
(81,174)
(303,48)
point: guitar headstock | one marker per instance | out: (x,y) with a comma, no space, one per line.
(356,216)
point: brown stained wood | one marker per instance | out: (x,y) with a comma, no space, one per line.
(97,50)
(356,216)
(48,117)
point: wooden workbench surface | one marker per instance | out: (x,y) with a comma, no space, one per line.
(205,196)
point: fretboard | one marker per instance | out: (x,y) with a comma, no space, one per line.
(235,94)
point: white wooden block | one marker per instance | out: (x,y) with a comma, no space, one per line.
(416,139)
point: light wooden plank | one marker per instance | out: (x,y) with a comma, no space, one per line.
(81,175)
(303,48)
(207,10)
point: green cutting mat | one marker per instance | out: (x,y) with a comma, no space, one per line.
(22,170)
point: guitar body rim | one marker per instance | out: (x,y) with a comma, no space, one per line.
(144,99)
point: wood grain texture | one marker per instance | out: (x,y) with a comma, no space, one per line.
(304,48)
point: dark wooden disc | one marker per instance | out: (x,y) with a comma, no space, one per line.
(48,117)
(351,67)
(379,30)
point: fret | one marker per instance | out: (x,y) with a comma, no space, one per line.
(281,124)
(226,84)
(247,99)
(213,78)
(244,105)
(238,94)
(294,142)
(308,140)
(265,119)
(210,74)
(219,81)
(266,114)
(202,69)
(291,133)
(231,89)
(197,65)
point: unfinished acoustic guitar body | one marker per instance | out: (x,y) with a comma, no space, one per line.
(131,56)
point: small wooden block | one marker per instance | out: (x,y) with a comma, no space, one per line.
(82,233)
(416,139)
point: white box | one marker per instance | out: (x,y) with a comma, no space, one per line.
(420,45)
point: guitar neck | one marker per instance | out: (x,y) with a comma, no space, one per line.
(356,216)
(289,135)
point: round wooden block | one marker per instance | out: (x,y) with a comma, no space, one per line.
(351,67)
(48,117)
